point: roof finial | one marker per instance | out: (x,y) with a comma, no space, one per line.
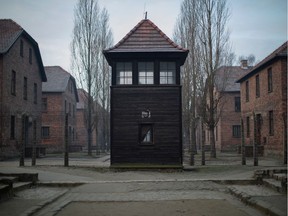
(146,15)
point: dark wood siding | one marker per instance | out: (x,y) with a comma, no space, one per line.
(127,104)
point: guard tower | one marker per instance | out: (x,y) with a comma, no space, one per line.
(146,116)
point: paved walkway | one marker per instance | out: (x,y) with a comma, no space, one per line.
(91,187)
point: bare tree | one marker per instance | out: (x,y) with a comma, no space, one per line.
(103,84)
(185,34)
(201,28)
(215,49)
(86,55)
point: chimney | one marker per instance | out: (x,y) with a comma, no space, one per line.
(244,64)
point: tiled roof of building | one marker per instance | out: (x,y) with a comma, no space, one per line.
(146,37)
(57,80)
(226,77)
(279,52)
(10,31)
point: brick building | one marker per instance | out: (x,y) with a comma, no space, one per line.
(21,77)
(264,101)
(228,129)
(59,97)
(81,132)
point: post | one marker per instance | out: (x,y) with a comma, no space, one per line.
(243,150)
(202,143)
(192,154)
(34,143)
(255,145)
(23,141)
(33,163)
(66,155)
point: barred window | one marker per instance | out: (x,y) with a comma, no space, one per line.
(45,132)
(237,104)
(271,123)
(257,86)
(44,105)
(270,80)
(25,89)
(236,131)
(247,90)
(13,83)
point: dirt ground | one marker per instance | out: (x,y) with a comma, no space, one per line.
(155,208)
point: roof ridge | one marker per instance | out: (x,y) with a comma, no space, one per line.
(271,55)
(155,27)
(268,58)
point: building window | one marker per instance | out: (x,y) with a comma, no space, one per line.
(236,131)
(248,126)
(13,83)
(257,86)
(146,134)
(21,48)
(270,80)
(124,73)
(35,93)
(237,104)
(44,105)
(65,107)
(73,110)
(70,109)
(45,132)
(247,90)
(12,128)
(30,55)
(167,73)
(25,89)
(146,72)
(271,123)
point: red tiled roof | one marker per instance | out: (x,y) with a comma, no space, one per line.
(146,37)
(279,52)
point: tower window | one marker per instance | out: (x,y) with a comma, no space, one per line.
(167,73)
(146,72)
(124,73)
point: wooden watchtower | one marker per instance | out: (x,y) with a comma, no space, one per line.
(146,116)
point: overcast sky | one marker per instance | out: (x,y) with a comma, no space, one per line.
(257,26)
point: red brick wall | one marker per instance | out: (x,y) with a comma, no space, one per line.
(226,141)
(16,105)
(275,100)
(54,118)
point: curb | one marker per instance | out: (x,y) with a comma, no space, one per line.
(31,211)
(262,206)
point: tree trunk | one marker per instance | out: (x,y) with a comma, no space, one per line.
(212,143)
(202,143)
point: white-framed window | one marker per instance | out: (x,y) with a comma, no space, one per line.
(124,73)
(167,73)
(146,73)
